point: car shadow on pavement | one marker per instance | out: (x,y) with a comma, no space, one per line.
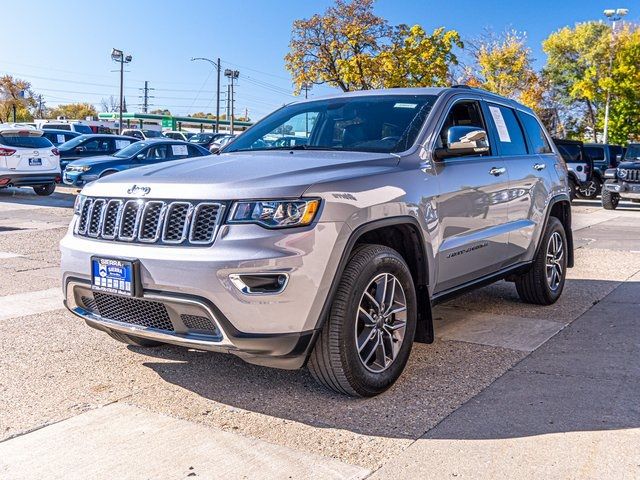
(25,196)
(624,205)
(439,378)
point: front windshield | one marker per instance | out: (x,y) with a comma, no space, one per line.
(131,151)
(201,138)
(153,134)
(633,154)
(73,143)
(380,123)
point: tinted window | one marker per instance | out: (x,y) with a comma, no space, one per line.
(82,128)
(153,133)
(570,152)
(594,153)
(131,150)
(375,123)
(25,142)
(97,145)
(538,139)
(159,152)
(633,153)
(62,126)
(194,151)
(508,130)
(202,138)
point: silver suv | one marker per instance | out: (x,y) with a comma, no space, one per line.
(329,253)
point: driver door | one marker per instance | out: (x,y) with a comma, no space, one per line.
(472,205)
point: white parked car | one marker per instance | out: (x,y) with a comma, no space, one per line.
(178,135)
(65,125)
(27,159)
(142,134)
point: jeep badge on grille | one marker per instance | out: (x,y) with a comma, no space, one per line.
(137,190)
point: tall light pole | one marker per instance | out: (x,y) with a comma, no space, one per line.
(231,75)
(217,67)
(613,15)
(120,57)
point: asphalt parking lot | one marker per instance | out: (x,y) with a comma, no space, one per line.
(504,384)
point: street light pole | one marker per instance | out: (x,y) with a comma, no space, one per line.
(217,67)
(120,57)
(614,15)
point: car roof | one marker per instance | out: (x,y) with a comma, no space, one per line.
(14,128)
(107,135)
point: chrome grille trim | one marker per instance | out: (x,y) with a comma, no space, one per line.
(168,222)
(633,175)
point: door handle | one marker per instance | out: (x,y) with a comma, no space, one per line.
(497,171)
(539,166)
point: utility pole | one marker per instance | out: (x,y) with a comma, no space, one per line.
(306,87)
(232,75)
(39,106)
(120,57)
(217,67)
(145,96)
(614,15)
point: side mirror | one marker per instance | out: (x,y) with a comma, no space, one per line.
(462,141)
(140,156)
(618,158)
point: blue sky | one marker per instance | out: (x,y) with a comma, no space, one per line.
(63,48)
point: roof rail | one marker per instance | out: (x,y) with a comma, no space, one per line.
(461,86)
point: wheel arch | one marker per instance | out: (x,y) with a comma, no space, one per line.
(404,235)
(108,171)
(560,208)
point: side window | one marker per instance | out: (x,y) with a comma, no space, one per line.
(177,150)
(97,145)
(159,152)
(509,132)
(194,151)
(594,153)
(538,139)
(465,113)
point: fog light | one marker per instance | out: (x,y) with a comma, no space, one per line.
(260,283)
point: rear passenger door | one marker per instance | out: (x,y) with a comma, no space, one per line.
(525,155)
(472,239)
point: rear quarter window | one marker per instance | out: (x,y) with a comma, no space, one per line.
(537,138)
(508,130)
(25,142)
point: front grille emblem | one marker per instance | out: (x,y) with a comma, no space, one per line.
(138,190)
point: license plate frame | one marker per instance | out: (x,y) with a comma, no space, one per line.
(35,162)
(116,276)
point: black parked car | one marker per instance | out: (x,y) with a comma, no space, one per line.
(579,164)
(58,137)
(91,146)
(138,154)
(624,180)
(604,156)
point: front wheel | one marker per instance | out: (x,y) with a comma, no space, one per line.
(610,200)
(544,282)
(45,190)
(366,341)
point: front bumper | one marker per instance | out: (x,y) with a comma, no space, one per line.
(28,179)
(268,329)
(77,179)
(624,189)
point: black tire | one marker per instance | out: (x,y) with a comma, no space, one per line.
(573,189)
(534,285)
(132,340)
(45,190)
(335,361)
(610,200)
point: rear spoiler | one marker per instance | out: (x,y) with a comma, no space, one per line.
(19,131)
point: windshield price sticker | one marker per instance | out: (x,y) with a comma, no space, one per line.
(501,126)
(179,150)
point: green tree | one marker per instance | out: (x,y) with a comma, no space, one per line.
(16,93)
(160,111)
(77,111)
(503,64)
(351,48)
(577,65)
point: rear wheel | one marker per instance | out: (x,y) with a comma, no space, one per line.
(366,341)
(133,340)
(610,200)
(544,282)
(573,189)
(45,190)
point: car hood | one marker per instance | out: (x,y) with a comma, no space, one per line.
(229,176)
(91,161)
(627,164)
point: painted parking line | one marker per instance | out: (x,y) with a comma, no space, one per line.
(143,444)
(31,303)
(7,255)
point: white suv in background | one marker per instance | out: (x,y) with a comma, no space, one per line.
(27,159)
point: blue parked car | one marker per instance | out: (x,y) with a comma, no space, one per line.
(146,152)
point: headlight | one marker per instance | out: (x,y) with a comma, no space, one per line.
(77,206)
(275,213)
(622,173)
(73,168)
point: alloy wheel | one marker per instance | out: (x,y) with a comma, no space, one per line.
(381,322)
(555,264)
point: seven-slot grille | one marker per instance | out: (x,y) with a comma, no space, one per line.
(633,175)
(150,221)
